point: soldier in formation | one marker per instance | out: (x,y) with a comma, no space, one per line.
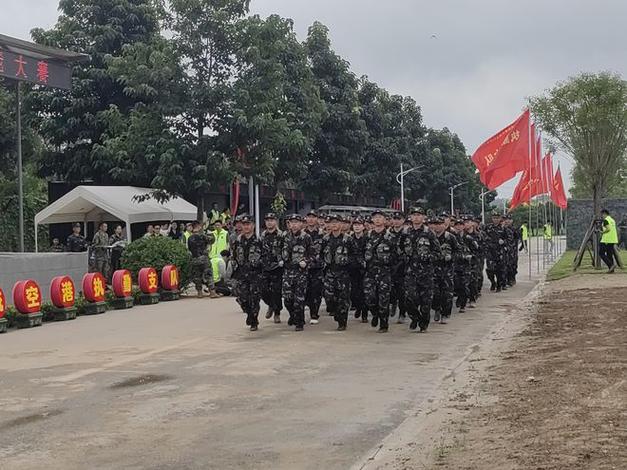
(377,264)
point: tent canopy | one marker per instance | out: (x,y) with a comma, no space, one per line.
(96,203)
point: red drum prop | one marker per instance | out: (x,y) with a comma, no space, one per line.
(94,285)
(27,297)
(170,277)
(62,292)
(122,283)
(148,280)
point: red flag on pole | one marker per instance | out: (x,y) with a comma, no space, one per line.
(547,173)
(530,183)
(504,154)
(558,195)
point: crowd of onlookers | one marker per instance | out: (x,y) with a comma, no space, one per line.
(105,249)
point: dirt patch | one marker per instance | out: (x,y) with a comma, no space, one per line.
(32,418)
(557,398)
(140,380)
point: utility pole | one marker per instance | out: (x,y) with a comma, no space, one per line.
(452,194)
(400,179)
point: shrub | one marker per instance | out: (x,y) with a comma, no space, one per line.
(10,315)
(157,252)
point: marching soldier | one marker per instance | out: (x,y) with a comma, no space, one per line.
(420,249)
(513,239)
(474,246)
(298,256)
(247,259)
(444,271)
(272,272)
(198,245)
(357,270)
(495,253)
(315,274)
(337,253)
(397,268)
(462,267)
(379,257)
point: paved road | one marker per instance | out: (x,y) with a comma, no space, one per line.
(186,385)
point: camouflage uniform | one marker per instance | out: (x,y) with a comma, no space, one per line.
(315,274)
(296,248)
(462,271)
(398,277)
(247,259)
(101,259)
(272,271)
(357,271)
(513,240)
(444,276)
(420,249)
(495,256)
(481,240)
(379,256)
(475,268)
(336,254)
(198,245)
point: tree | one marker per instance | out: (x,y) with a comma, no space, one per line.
(206,36)
(75,125)
(276,110)
(339,146)
(586,116)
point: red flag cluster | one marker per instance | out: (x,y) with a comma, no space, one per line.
(514,149)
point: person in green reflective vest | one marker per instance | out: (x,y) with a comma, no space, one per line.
(609,240)
(222,240)
(548,236)
(524,238)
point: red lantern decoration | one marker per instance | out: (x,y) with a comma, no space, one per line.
(122,283)
(94,285)
(148,280)
(27,296)
(3,304)
(62,292)
(170,277)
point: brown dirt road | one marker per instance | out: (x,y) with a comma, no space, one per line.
(552,397)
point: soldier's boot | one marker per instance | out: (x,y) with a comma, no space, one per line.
(414,323)
(199,293)
(401,317)
(436,315)
(277,317)
(375,318)
(254,322)
(214,295)
(357,313)
(392,309)
(269,313)
(383,327)
(290,320)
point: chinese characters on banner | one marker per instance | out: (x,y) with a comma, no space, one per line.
(26,68)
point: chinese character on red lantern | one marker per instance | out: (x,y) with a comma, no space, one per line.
(20,67)
(42,71)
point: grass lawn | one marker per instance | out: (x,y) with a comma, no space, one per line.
(564,267)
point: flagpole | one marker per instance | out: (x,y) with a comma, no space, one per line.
(529,231)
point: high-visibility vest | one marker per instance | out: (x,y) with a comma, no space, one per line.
(221,243)
(611,236)
(548,232)
(525,232)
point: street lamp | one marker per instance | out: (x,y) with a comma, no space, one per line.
(400,179)
(451,191)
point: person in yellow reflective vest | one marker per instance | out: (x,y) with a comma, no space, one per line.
(548,237)
(609,240)
(524,238)
(222,240)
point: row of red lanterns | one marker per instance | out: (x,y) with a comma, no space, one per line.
(27,296)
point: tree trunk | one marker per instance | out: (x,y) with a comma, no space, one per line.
(200,207)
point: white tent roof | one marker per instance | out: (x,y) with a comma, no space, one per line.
(95,203)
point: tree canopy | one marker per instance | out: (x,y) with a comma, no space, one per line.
(184,95)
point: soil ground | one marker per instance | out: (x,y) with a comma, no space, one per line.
(552,396)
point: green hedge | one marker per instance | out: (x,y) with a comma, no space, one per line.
(157,252)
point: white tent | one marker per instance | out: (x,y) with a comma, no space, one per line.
(96,203)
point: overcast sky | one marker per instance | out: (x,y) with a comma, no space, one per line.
(473,77)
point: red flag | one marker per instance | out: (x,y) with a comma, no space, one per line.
(530,185)
(503,155)
(547,173)
(558,195)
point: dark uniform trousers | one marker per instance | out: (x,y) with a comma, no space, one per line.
(249,295)
(377,287)
(443,290)
(315,282)
(294,293)
(419,294)
(337,288)
(272,284)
